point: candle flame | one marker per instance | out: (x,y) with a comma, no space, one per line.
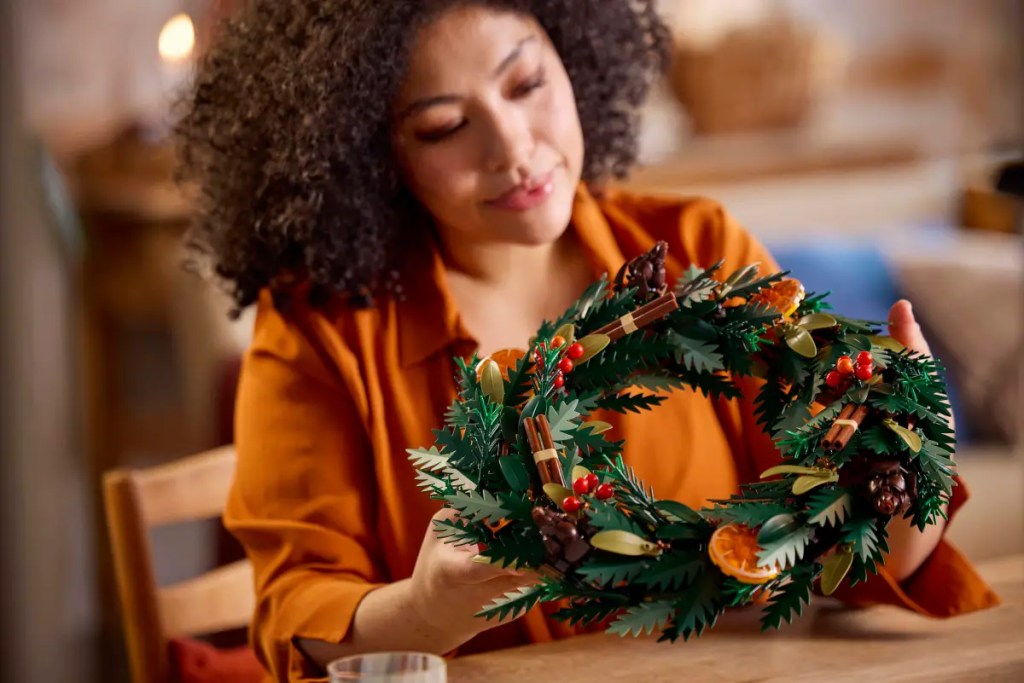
(177,39)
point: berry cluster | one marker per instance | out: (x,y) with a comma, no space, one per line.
(566,364)
(846,371)
(584,486)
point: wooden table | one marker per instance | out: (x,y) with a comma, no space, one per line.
(828,643)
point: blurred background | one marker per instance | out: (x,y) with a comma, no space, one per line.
(862,141)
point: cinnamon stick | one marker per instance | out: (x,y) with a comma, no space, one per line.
(641,317)
(545,456)
(845,426)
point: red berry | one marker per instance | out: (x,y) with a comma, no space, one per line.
(833,379)
(557,341)
(864,358)
(576,351)
(605,491)
(592,481)
(844,365)
(581,486)
(566,365)
(864,372)
(571,504)
(559,380)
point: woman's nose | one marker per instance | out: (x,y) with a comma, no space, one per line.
(511,143)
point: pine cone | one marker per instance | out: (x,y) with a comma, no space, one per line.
(891,488)
(563,541)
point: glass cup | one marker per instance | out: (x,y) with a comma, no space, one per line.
(389,667)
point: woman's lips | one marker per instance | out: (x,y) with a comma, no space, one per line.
(527,196)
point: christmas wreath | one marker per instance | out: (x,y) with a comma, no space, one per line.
(861,423)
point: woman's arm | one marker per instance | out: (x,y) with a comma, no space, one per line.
(433,611)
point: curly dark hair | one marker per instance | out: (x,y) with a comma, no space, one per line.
(287,131)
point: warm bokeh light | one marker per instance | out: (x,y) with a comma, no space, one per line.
(177,38)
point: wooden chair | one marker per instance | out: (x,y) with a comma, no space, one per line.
(136,501)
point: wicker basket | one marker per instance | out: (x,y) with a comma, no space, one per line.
(754,78)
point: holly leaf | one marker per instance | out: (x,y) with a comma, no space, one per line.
(562,419)
(788,599)
(698,606)
(514,603)
(787,549)
(672,570)
(429,459)
(479,506)
(612,569)
(829,507)
(695,354)
(642,619)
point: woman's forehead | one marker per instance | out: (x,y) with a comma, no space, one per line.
(467,42)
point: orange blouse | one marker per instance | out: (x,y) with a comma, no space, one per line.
(325,500)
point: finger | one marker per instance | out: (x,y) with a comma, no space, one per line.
(473,568)
(903,327)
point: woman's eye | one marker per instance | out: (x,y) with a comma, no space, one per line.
(440,134)
(524,89)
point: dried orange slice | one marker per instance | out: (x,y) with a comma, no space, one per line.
(784,296)
(733,548)
(505,358)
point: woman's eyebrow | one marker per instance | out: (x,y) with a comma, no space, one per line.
(421,105)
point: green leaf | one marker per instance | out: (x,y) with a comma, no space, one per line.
(817,321)
(624,543)
(611,570)
(751,514)
(608,517)
(672,570)
(911,438)
(678,512)
(562,419)
(514,603)
(793,469)
(522,547)
(514,471)
(801,342)
(695,354)
(789,599)
(630,403)
(863,535)
(777,528)
(459,532)
(642,619)
(809,482)
(429,459)
(492,384)
(829,507)
(479,506)
(786,550)
(699,605)
(429,483)
(835,568)
(880,441)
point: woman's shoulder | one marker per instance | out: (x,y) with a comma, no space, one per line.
(699,230)
(315,337)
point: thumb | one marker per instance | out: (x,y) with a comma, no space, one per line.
(904,328)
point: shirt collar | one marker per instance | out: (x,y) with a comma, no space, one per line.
(428,319)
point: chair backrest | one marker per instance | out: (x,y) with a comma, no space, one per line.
(137,500)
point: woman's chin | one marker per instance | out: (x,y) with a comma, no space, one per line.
(539,226)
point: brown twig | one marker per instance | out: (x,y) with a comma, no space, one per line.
(641,317)
(545,456)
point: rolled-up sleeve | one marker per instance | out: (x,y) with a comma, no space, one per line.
(303,495)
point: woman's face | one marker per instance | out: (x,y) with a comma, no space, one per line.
(486,128)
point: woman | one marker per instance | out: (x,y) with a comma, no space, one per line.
(395,182)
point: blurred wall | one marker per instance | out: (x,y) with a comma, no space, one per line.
(47,616)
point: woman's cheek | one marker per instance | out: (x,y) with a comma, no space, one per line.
(440,178)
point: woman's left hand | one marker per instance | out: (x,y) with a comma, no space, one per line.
(908,546)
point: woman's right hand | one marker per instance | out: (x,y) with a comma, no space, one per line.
(448,587)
